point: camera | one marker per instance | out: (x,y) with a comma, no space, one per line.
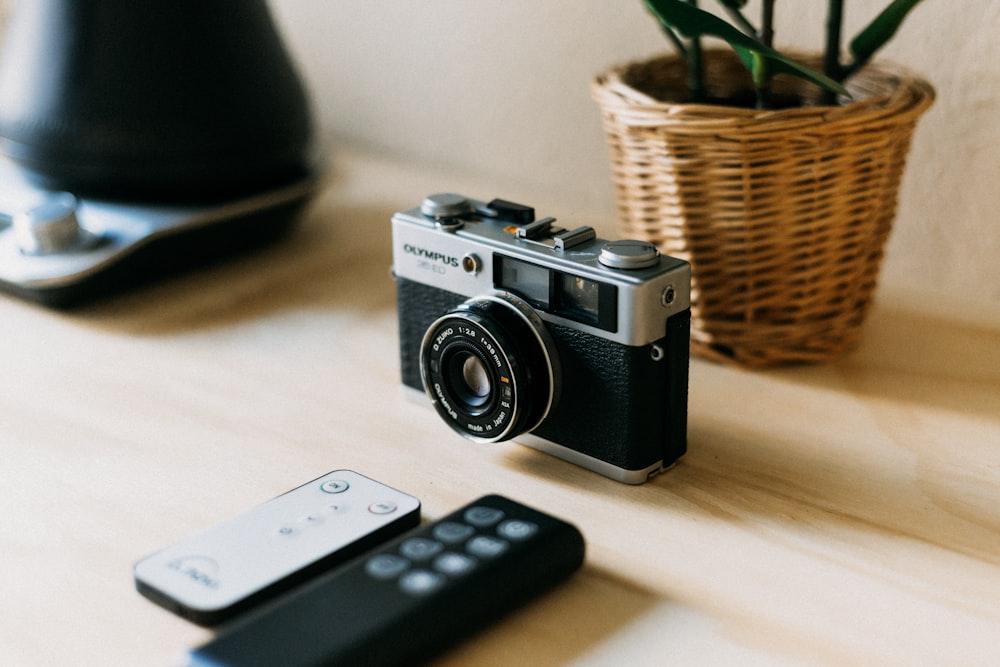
(517,329)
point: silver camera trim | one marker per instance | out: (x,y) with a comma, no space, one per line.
(591,463)
(459,258)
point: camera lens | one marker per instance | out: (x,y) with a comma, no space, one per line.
(468,377)
(490,368)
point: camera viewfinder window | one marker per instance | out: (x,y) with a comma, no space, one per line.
(576,298)
(527,280)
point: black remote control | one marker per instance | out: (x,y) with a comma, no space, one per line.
(411,598)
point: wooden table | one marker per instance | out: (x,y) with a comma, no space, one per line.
(846,513)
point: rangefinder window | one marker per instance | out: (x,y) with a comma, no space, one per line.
(579,298)
(576,298)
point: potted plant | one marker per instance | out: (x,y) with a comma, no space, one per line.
(775,174)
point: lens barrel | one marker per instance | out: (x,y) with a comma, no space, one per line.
(490,368)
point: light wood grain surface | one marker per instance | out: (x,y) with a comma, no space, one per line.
(840,514)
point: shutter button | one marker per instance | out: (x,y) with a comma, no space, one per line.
(445,206)
(629,254)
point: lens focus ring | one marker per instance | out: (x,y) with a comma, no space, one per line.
(489,367)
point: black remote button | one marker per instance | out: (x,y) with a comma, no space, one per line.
(482,517)
(386,566)
(485,546)
(413,597)
(420,548)
(451,532)
(454,564)
(516,529)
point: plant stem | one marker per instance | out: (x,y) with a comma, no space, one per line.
(762,83)
(762,77)
(767,23)
(696,67)
(740,20)
(831,55)
(696,70)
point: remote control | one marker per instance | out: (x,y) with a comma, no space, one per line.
(409,599)
(261,553)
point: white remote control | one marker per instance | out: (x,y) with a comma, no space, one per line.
(261,553)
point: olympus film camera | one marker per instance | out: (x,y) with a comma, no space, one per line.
(518,329)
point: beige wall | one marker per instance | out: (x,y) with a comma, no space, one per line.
(500,88)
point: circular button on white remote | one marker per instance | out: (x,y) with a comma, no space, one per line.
(334,486)
(338,508)
(382,507)
(311,520)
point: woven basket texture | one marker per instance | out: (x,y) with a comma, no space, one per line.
(782,214)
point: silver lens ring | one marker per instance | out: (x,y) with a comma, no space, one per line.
(490,368)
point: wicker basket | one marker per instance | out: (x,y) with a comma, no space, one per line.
(783,215)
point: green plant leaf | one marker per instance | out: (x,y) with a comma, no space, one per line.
(881,29)
(693,22)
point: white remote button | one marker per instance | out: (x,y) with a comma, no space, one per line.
(382,507)
(335,486)
(275,546)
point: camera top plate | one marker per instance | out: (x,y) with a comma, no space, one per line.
(458,244)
